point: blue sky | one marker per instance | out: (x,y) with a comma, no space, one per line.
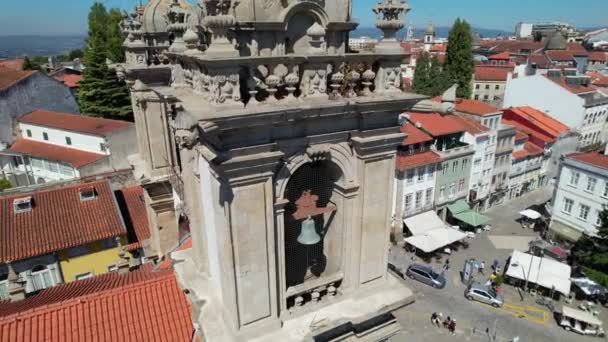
(50,17)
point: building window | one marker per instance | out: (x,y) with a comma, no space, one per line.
(431,172)
(65,170)
(477,86)
(497,87)
(45,136)
(605,189)
(591,182)
(4,287)
(583,212)
(465,163)
(487,87)
(102,147)
(442,192)
(476,97)
(461,185)
(444,168)
(574,177)
(477,162)
(421,174)
(452,190)
(408,202)
(51,166)
(410,176)
(418,199)
(29,133)
(37,163)
(85,275)
(41,277)
(429,196)
(486,97)
(68,141)
(454,166)
(598,220)
(568,204)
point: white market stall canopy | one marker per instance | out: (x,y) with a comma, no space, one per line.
(531,214)
(545,272)
(581,316)
(430,233)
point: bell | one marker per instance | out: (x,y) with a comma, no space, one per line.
(308,234)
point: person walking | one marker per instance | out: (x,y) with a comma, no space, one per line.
(482,265)
(452,327)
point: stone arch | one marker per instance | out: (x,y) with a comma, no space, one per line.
(298,18)
(338,154)
(304,7)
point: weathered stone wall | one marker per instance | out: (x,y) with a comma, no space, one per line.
(35,92)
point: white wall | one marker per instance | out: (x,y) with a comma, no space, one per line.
(579,195)
(594,121)
(411,187)
(543,94)
(85,142)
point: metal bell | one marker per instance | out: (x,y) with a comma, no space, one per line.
(308,234)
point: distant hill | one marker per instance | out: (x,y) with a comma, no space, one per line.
(441,32)
(17,46)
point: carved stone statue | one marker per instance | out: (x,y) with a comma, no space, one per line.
(185,130)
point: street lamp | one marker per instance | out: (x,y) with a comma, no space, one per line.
(517,265)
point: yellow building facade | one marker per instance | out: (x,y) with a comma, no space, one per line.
(92,259)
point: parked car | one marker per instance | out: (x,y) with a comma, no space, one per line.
(483,294)
(427,275)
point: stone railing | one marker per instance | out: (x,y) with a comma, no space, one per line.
(313,292)
(269,80)
(454,151)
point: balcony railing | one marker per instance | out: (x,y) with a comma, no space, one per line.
(415,211)
(454,152)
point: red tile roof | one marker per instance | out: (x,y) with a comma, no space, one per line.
(598,56)
(501,56)
(472,126)
(414,135)
(137,216)
(536,120)
(598,79)
(71,156)
(14,63)
(439,48)
(519,135)
(492,73)
(573,89)
(406,161)
(9,76)
(529,150)
(595,158)
(577,49)
(154,309)
(475,107)
(69,80)
(541,61)
(74,122)
(58,220)
(560,55)
(83,287)
(436,124)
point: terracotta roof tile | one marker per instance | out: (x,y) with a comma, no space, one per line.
(436,124)
(74,157)
(598,56)
(595,158)
(74,122)
(492,73)
(69,80)
(473,127)
(560,55)
(474,107)
(502,56)
(10,76)
(58,220)
(536,121)
(13,63)
(577,49)
(136,214)
(153,309)
(529,150)
(414,135)
(598,79)
(540,60)
(406,161)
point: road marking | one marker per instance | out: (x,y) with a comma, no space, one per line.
(529,313)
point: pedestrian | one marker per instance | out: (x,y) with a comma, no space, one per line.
(446,265)
(495,264)
(434,318)
(482,265)
(447,322)
(452,327)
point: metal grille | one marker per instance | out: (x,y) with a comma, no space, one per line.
(307,262)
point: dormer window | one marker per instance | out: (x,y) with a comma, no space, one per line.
(87,194)
(22,205)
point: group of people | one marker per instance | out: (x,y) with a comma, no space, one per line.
(448,323)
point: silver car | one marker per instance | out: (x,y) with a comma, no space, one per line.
(483,294)
(427,275)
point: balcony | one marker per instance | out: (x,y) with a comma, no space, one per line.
(458,150)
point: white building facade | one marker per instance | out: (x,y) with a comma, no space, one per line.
(580,195)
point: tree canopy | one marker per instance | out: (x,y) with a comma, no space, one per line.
(592,253)
(459,60)
(5,184)
(429,76)
(100,91)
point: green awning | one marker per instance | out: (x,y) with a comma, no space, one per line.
(565,232)
(458,207)
(472,218)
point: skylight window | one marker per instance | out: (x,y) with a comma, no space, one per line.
(87,194)
(22,205)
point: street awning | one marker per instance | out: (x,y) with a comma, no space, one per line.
(458,207)
(430,233)
(545,272)
(531,214)
(589,287)
(581,316)
(472,218)
(435,239)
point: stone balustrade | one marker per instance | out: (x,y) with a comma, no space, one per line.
(315,292)
(267,80)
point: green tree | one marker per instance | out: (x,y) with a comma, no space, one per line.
(28,64)
(459,60)
(439,80)
(100,92)
(5,184)
(116,51)
(602,230)
(421,83)
(77,53)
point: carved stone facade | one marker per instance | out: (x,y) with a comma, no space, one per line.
(261,103)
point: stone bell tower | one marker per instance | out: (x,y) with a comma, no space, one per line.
(279,147)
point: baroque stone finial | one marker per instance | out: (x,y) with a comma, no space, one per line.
(390,19)
(219,18)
